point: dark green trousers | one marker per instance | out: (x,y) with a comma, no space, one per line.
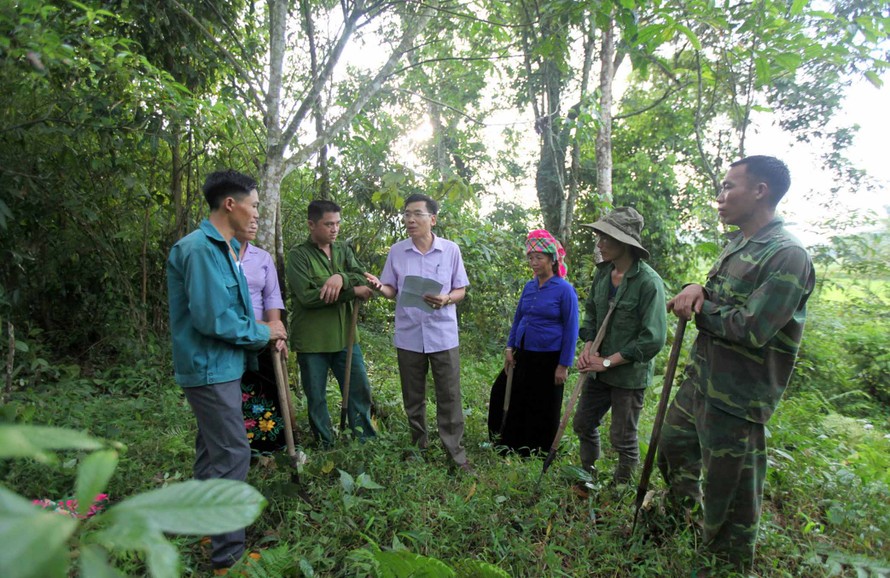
(718,460)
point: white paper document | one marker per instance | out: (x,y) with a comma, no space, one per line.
(415,288)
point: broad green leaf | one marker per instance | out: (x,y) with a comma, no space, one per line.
(306,568)
(690,35)
(133,532)
(346,482)
(92,477)
(406,564)
(797,6)
(365,481)
(648,33)
(822,14)
(162,556)
(34,541)
(874,79)
(790,61)
(762,70)
(94,563)
(27,441)
(21,346)
(196,507)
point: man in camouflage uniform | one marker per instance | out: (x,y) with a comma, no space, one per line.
(750,317)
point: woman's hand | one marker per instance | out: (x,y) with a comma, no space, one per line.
(509,361)
(562,372)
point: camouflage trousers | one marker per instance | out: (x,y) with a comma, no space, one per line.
(718,460)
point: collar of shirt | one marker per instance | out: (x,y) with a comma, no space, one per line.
(763,235)
(436,246)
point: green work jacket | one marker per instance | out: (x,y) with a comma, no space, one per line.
(316,326)
(638,326)
(751,322)
(214,332)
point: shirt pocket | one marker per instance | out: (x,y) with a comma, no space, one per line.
(627,316)
(232,288)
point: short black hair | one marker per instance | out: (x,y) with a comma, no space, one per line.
(431,205)
(228,183)
(319,207)
(771,171)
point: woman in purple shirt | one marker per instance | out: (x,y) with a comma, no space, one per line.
(259,395)
(540,349)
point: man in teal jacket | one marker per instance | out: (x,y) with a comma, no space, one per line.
(215,334)
(327,282)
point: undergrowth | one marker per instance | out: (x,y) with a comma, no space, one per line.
(826,507)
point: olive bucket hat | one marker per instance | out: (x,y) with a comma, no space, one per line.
(623,224)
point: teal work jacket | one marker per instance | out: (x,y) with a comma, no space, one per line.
(638,327)
(211,317)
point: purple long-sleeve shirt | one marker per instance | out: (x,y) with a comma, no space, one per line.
(262,280)
(417,330)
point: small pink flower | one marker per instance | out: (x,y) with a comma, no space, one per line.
(245,397)
(249,424)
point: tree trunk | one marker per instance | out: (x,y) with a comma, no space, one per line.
(604,133)
(550,175)
(270,198)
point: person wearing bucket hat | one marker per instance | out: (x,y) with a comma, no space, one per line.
(540,349)
(622,369)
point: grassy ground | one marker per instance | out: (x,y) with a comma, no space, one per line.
(827,507)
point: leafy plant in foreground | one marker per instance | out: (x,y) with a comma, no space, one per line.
(35,541)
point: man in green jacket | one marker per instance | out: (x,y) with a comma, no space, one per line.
(326,279)
(750,316)
(215,336)
(621,369)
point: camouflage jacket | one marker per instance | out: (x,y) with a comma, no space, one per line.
(752,321)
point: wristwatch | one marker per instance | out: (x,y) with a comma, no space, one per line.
(607,363)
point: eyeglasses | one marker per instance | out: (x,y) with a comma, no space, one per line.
(407,215)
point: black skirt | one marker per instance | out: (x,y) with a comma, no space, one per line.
(535,404)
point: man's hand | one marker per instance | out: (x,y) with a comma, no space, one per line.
(276,330)
(387,291)
(562,372)
(584,358)
(437,301)
(374,281)
(330,291)
(281,347)
(363,293)
(687,302)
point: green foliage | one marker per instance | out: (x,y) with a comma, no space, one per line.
(36,541)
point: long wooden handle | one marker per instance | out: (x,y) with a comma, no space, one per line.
(669,373)
(347,376)
(284,403)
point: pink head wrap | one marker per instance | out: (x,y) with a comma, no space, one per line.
(540,241)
